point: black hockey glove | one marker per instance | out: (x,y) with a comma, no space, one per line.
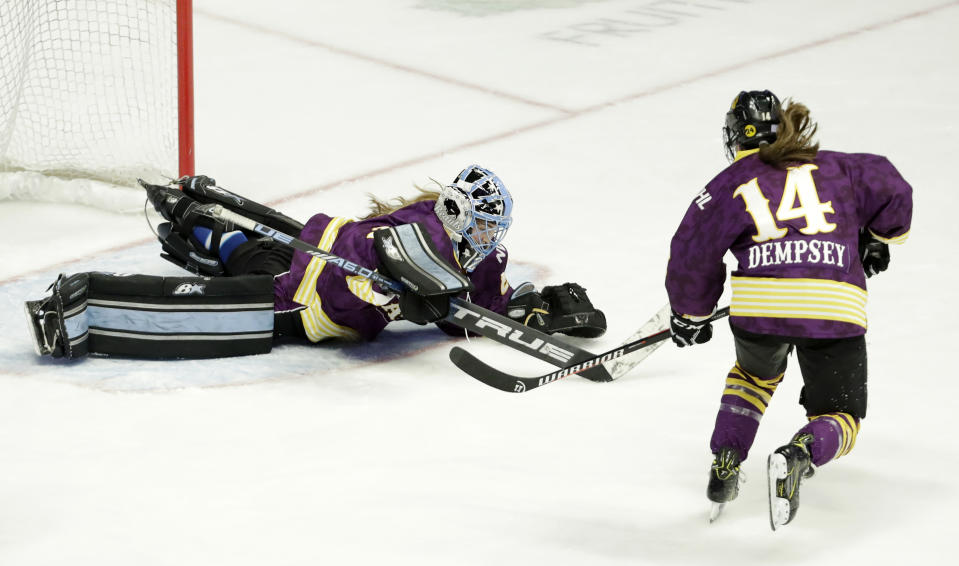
(572,312)
(873,254)
(687,332)
(423,310)
(196,183)
(557,308)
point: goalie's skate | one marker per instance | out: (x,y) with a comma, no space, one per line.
(786,468)
(180,245)
(177,207)
(43,332)
(57,322)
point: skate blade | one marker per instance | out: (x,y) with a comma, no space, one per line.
(29,309)
(715,511)
(776,469)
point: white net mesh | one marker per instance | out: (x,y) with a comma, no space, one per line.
(88,99)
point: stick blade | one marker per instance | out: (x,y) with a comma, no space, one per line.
(485,373)
(657,323)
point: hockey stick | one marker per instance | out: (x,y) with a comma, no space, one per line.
(621,366)
(503,381)
(463,314)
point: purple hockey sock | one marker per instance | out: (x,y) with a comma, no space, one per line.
(835,435)
(742,406)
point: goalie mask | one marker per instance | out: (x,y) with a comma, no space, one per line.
(752,120)
(476,208)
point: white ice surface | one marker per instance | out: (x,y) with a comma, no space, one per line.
(603,118)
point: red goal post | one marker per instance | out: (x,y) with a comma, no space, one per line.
(93,95)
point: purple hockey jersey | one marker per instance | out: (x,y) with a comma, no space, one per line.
(340,305)
(795,235)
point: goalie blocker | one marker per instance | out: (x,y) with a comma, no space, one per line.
(148,316)
(408,255)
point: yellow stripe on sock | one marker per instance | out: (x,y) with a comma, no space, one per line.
(849,430)
(770,383)
(752,388)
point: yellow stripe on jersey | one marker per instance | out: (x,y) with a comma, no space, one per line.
(306,290)
(895,240)
(362,288)
(317,324)
(819,299)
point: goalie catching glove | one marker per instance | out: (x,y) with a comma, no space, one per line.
(557,308)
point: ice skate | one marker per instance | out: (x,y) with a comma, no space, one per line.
(56,322)
(786,469)
(174,205)
(724,480)
(42,322)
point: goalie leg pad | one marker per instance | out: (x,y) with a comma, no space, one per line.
(146,316)
(572,313)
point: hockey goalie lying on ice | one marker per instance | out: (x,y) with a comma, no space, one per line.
(252,289)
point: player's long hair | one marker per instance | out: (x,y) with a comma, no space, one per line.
(379,207)
(794,139)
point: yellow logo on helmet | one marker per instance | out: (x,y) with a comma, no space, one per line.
(749,130)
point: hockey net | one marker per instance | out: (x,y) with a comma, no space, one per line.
(93,95)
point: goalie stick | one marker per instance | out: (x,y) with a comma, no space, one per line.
(463,314)
(503,381)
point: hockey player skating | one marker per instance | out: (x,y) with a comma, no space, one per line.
(444,242)
(807,228)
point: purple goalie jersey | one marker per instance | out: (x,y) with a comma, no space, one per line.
(336,304)
(795,235)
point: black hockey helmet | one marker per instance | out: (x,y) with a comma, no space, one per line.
(752,120)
